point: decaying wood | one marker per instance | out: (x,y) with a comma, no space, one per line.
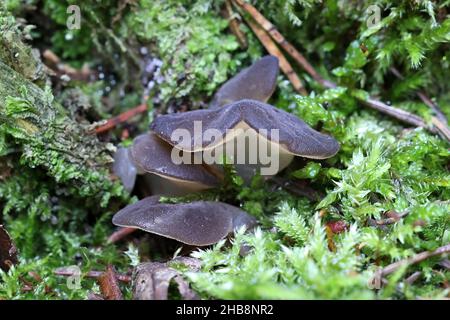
(71,140)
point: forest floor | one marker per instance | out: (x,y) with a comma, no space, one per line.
(371,222)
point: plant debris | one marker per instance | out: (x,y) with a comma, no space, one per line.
(151,280)
(367,220)
(8,251)
(109,284)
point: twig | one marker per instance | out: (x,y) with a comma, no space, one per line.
(91,274)
(60,68)
(425,99)
(414,260)
(234,25)
(396,113)
(377,281)
(445,264)
(120,234)
(441,127)
(389,220)
(278,37)
(123,117)
(413,278)
(285,66)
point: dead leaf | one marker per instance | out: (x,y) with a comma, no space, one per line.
(8,251)
(151,280)
(109,284)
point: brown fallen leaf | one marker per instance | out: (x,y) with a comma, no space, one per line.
(94,296)
(109,284)
(8,251)
(151,280)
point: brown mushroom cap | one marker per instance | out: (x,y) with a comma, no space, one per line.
(198,223)
(295,136)
(124,168)
(153,155)
(256,82)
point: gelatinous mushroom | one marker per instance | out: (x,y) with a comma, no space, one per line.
(151,156)
(256,82)
(198,223)
(282,134)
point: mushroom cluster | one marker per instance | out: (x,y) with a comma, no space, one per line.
(183,151)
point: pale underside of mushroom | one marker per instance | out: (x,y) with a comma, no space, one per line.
(198,223)
(151,157)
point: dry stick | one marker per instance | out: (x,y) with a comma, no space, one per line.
(425,99)
(234,25)
(120,234)
(278,37)
(399,114)
(58,68)
(123,117)
(414,260)
(91,274)
(285,66)
(441,127)
(412,278)
(390,220)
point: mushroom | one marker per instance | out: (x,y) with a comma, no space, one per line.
(124,168)
(256,82)
(246,127)
(151,156)
(198,223)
